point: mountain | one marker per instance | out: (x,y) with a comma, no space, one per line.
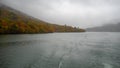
(15,22)
(106,28)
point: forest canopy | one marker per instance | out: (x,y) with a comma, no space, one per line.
(15,22)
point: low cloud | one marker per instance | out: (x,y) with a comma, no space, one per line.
(80,13)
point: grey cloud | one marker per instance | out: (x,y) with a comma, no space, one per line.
(81,13)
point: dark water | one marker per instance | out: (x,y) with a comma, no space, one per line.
(60,50)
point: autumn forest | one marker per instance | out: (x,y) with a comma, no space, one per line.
(15,22)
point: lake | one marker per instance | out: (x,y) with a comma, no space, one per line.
(60,50)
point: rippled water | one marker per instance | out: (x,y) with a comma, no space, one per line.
(60,50)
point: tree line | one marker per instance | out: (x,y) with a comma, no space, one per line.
(14,22)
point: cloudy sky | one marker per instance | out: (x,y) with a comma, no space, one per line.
(80,13)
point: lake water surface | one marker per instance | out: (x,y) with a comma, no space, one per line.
(61,50)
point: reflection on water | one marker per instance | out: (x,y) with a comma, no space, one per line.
(60,50)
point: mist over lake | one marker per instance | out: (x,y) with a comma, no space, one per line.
(60,50)
(59,34)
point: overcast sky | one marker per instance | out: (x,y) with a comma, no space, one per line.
(80,13)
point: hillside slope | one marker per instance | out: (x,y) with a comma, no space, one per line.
(15,22)
(106,28)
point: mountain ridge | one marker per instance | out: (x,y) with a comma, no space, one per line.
(105,28)
(15,22)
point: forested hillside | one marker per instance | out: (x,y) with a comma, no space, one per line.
(15,22)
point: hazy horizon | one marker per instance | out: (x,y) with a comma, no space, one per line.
(79,13)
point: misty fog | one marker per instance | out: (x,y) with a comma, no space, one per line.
(80,13)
